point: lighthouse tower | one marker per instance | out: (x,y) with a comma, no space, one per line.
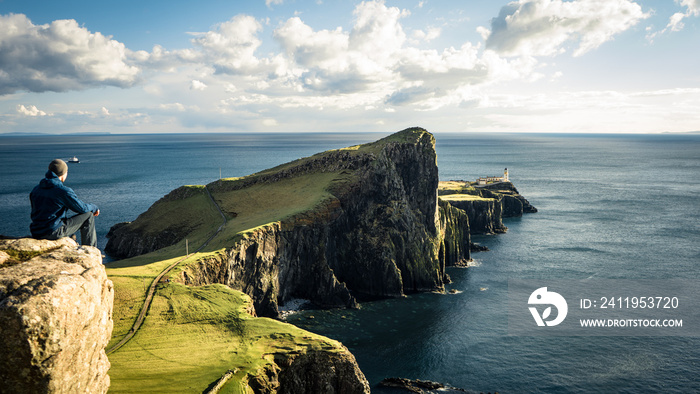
(505,175)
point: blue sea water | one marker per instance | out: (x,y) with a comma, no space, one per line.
(612,206)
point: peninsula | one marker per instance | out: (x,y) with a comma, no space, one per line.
(337,228)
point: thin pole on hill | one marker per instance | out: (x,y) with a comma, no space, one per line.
(152,289)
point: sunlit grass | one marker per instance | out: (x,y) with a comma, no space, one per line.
(265,203)
(195,334)
(464,197)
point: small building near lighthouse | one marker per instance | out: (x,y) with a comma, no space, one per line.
(491,179)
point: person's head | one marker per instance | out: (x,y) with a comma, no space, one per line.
(60,168)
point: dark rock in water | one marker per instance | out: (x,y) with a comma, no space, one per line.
(423,386)
(478,248)
(412,385)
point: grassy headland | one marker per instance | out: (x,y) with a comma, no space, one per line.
(193,335)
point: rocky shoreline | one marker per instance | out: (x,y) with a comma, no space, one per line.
(425,386)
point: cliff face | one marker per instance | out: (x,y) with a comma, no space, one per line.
(321,372)
(455,249)
(485,214)
(271,264)
(55,317)
(377,235)
(486,206)
(513,203)
(310,372)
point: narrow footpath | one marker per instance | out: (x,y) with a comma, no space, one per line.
(154,284)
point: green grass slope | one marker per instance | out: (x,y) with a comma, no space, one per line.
(196,334)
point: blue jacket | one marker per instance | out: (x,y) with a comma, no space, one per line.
(51,201)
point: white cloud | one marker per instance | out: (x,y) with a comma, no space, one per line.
(270,3)
(596,111)
(557,75)
(231,46)
(59,56)
(692,5)
(430,35)
(325,49)
(374,71)
(544,27)
(336,61)
(675,22)
(173,106)
(373,64)
(197,85)
(30,110)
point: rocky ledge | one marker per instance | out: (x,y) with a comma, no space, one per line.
(486,206)
(55,317)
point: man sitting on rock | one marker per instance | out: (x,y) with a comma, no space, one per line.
(51,201)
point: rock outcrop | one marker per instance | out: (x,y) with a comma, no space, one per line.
(321,372)
(456,246)
(486,206)
(513,203)
(55,317)
(485,214)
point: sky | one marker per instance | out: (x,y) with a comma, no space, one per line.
(575,66)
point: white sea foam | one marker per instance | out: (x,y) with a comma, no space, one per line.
(292,306)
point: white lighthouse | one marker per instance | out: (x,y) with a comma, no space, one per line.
(505,175)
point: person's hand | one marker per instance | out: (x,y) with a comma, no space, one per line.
(97,213)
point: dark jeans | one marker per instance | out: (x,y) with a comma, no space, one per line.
(85,222)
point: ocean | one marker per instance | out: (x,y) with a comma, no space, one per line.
(610,207)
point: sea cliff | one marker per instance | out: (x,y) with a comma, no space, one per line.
(487,205)
(370,227)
